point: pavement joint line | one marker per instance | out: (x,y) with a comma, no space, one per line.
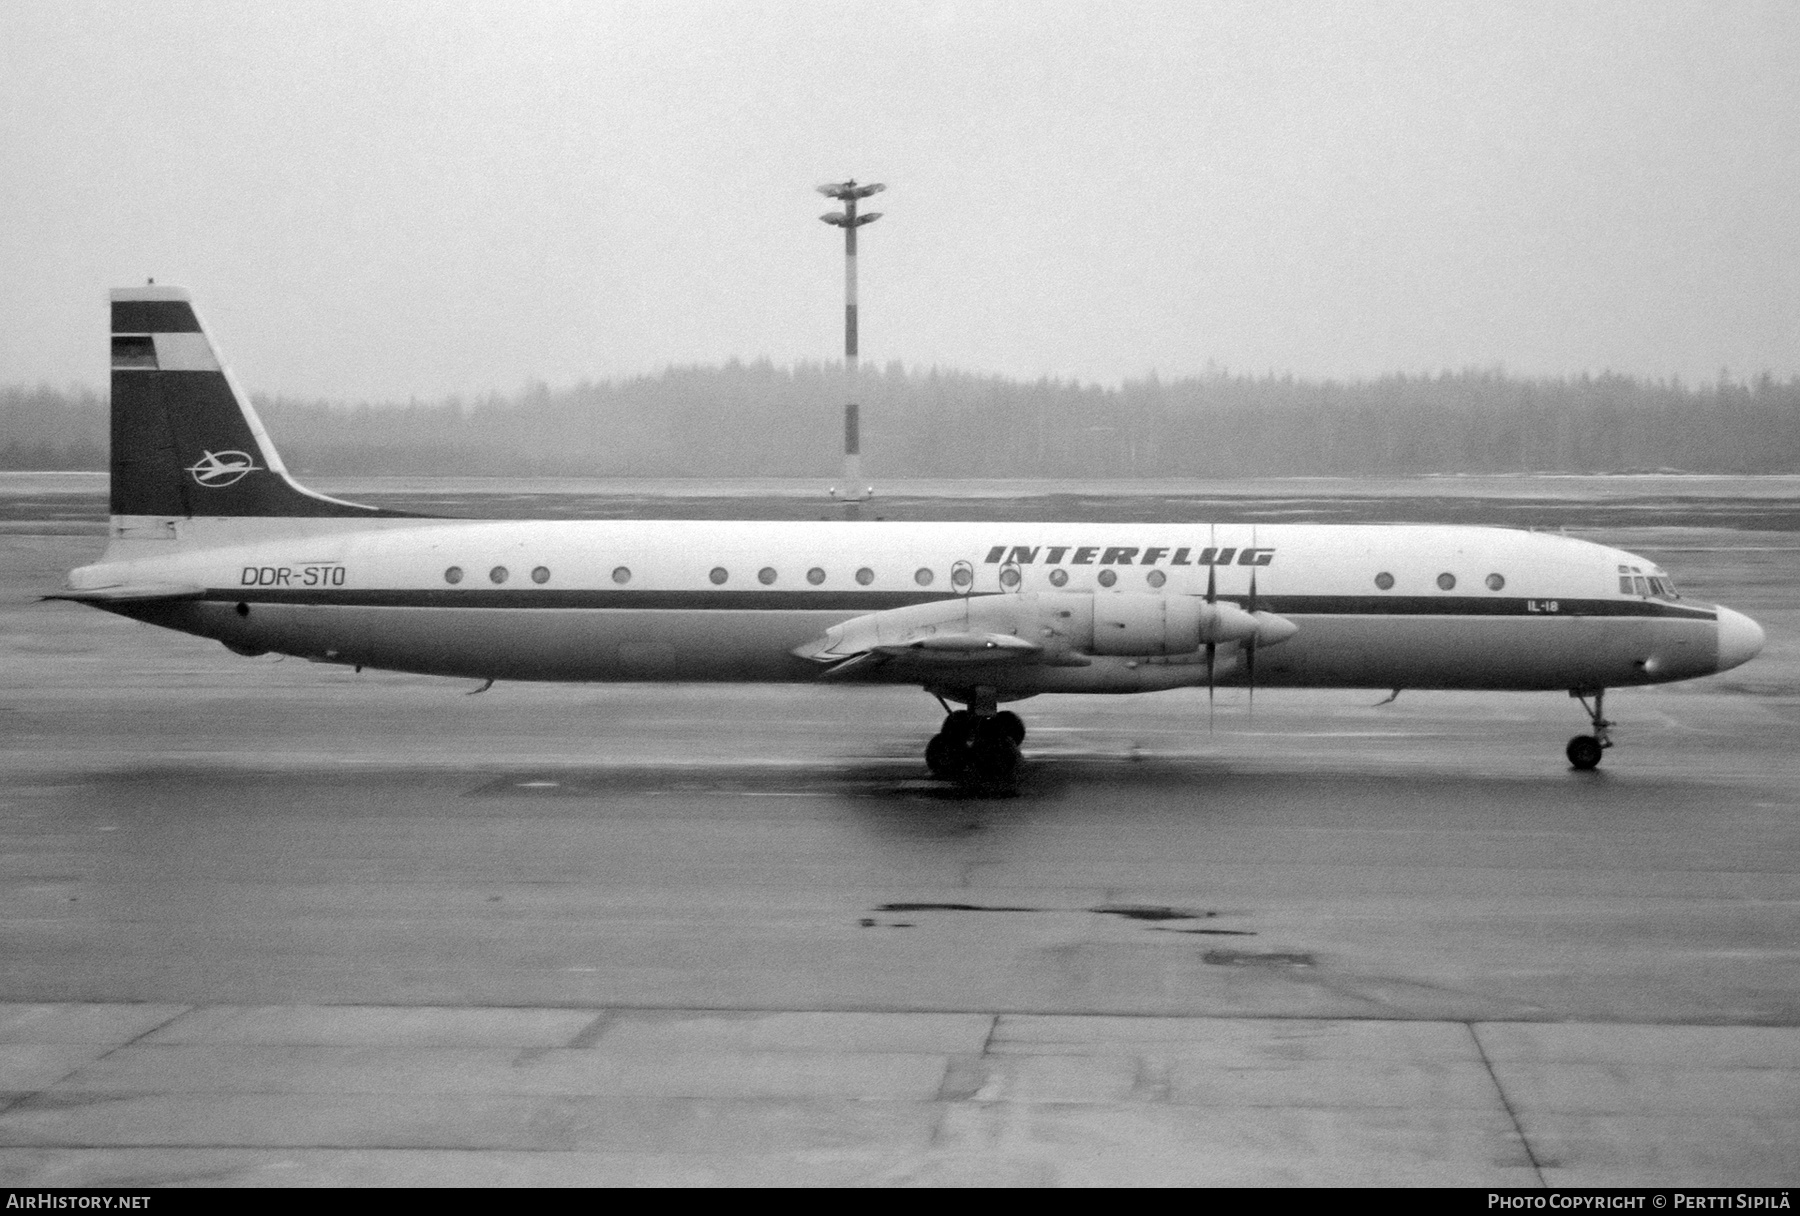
(116,1047)
(947,1097)
(590,1034)
(987,1040)
(1506,1103)
(987,1011)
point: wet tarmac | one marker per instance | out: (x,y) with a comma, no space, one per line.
(274,923)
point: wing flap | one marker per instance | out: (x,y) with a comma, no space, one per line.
(987,646)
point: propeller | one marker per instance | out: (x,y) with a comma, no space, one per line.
(1249,643)
(1212,647)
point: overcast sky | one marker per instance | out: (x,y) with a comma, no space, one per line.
(373,201)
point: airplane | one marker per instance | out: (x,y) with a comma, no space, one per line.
(210,535)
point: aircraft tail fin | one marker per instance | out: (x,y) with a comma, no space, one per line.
(186,442)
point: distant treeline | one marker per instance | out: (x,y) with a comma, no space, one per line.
(755,419)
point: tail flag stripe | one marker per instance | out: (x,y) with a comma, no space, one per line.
(154,317)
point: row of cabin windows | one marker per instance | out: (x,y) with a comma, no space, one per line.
(963,576)
(498,575)
(1445,581)
(766,576)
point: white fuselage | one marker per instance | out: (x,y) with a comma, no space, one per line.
(1460,607)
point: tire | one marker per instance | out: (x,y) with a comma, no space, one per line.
(1584,752)
(946,757)
(1011,725)
(959,725)
(994,761)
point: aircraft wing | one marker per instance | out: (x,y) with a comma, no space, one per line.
(936,652)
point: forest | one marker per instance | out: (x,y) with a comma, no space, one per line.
(755,419)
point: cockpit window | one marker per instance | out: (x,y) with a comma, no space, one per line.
(1633,581)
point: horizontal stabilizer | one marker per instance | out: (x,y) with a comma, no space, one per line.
(131,593)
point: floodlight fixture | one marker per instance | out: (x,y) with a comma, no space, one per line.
(849,191)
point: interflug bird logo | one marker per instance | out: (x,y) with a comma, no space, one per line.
(218,469)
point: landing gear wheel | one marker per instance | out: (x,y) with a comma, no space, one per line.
(1584,752)
(959,725)
(981,748)
(946,756)
(993,759)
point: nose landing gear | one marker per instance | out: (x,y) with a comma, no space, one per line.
(1584,751)
(978,747)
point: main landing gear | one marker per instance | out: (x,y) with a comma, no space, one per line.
(1584,751)
(979,747)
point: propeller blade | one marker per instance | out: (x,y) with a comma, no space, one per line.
(1212,649)
(1250,642)
(1212,571)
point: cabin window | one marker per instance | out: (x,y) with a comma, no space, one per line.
(1624,584)
(453,575)
(1009,576)
(815,576)
(1384,581)
(1446,581)
(923,576)
(621,575)
(1059,578)
(766,575)
(1496,582)
(1156,578)
(540,574)
(719,575)
(865,576)
(1641,584)
(1108,578)
(961,576)
(497,575)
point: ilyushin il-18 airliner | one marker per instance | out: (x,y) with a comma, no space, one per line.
(211,536)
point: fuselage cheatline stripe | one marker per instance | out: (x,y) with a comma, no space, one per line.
(874,601)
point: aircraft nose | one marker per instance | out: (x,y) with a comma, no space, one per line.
(1740,639)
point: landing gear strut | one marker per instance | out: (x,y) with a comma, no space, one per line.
(977,746)
(1584,751)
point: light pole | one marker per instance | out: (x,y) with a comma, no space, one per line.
(848,193)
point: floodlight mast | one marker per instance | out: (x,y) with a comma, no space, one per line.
(849,193)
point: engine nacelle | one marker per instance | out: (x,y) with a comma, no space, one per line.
(1144,625)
